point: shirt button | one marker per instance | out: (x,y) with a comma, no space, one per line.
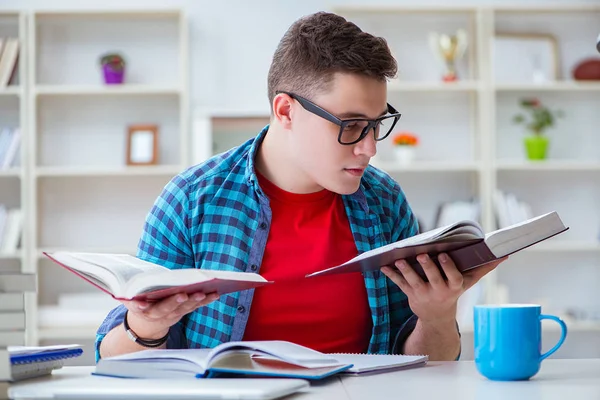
(263,225)
(241,309)
(253,267)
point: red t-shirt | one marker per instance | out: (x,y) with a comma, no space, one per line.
(331,314)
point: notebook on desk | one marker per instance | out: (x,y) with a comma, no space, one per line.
(30,362)
(372,363)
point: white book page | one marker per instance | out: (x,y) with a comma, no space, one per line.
(467,230)
(512,238)
(374,362)
(197,357)
(143,283)
(123,266)
(286,351)
(100,275)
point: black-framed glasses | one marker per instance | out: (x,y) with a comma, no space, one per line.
(353,130)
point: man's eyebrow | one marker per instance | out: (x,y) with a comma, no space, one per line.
(351,114)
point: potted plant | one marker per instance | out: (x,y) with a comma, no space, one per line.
(405,144)
(540,119)
(113,68)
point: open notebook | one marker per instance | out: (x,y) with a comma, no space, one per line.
(370,363)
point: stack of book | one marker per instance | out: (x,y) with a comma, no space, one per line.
(13,287)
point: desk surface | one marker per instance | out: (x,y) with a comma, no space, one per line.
(558,379)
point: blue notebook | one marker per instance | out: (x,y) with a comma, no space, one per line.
(31,362)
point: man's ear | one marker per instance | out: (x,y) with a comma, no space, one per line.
(283,110)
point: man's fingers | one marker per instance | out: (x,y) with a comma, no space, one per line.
(412,278)
(455,278)
(166,306)
(432,272)
(397,278)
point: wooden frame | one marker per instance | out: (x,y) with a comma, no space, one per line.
(538,46)
(142,145)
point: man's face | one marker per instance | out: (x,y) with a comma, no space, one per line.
(314,140)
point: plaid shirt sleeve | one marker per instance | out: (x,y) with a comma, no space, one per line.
(165,241)
(402,319)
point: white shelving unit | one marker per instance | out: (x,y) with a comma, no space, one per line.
(81,193)
(469,148)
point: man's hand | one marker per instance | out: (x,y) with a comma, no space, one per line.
(153,320)
(435,301)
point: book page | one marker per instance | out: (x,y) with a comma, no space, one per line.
(518,236)
(460,231)
(124,266)
(98,274)
(150,282)
(192,360)
(282,350)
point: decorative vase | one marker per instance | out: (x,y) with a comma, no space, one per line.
(112,76)
(536,147)
(404,154)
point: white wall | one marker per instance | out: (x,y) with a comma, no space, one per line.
(232,41)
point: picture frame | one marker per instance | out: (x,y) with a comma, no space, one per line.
(142,144)
(538,56)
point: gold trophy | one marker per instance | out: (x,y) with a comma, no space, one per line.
(449,49)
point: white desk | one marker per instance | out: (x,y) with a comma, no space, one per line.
(558,379)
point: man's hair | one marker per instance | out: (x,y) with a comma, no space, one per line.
(317,46)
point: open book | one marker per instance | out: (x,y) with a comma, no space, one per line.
(125,277)
(464,241)
(265,358)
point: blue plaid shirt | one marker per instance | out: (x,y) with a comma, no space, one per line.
(215,216)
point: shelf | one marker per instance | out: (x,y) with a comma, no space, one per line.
(570,86)
(125,13)
(366,9)
(564,246)
(426,166)
(112,250)
(58,172)
(10,91)
(459,86)
(11,256)
(549,165)
(11,172)
(74,333)
(84,90)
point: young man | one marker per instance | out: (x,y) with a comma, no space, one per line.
(298,198)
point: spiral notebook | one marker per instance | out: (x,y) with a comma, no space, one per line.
(369,363)
(30,362)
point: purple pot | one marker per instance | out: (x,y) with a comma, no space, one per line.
(112,77)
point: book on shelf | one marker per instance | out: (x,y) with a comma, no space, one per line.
(254,358)
(8,60)
(464,241)
(126,277)
(11,228)
(10,140)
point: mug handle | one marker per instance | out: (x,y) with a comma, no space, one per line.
(563,334)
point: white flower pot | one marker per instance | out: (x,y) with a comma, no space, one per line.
(404,154)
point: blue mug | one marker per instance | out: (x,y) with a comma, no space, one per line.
(508,340)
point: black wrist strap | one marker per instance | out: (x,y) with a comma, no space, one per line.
(142,342)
